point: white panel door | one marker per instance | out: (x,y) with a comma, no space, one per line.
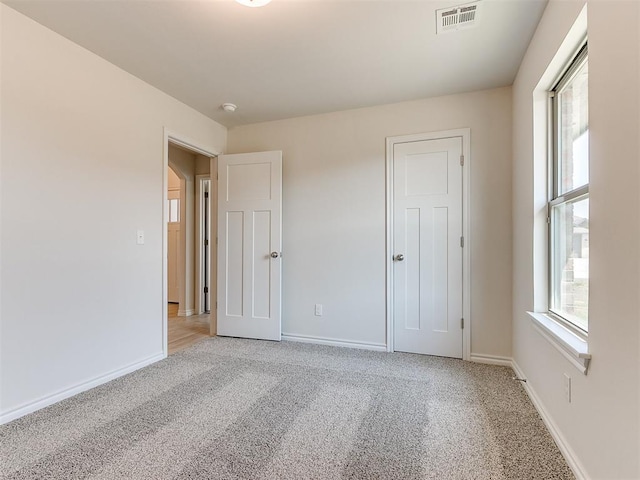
(249,245)
(427,261)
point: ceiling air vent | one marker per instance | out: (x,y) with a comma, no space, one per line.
(457,18)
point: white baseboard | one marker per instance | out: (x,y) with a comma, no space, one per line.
(334,342)
(15,413)
(491,359)
(567,452)
(186,313)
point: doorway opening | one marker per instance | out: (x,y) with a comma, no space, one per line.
(188,262)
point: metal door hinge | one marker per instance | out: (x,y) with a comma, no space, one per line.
(206,243)
(549,220)
(206,289)
(462,160)
(461,242)
(462,323)
(206,194)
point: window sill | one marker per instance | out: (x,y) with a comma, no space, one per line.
(574,348)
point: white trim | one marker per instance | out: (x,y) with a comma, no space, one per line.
(187,313)
(466,251)
(176,139)
(213,241)
(389,243)
(189,144)
(491,359)
(563,445)
(199,214)
(334,342)
(48,400)
(465,134)
(198,250)
(570,345)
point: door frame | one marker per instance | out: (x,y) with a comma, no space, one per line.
(168,137)
(200,237)
(465,135)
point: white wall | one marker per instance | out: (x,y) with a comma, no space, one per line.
(82,170)
(334,213)
(600,427)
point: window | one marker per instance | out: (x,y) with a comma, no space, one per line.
(173,207)
(569,202)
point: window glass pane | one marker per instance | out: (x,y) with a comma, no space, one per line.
(174,210)
(573,132)
(570,261)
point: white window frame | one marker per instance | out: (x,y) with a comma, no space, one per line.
(556,197)
(572,345)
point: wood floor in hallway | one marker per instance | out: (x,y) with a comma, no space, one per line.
(185,331)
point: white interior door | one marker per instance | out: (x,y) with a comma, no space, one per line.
(427,262)
(249,245)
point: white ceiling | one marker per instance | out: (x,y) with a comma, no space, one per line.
(296,57)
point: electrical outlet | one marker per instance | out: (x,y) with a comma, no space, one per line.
(318,309)
(567,388)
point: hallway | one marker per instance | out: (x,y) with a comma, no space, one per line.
(185,331)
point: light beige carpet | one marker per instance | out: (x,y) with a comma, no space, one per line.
(243,409)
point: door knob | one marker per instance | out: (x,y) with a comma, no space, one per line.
(275,254)
(399,257)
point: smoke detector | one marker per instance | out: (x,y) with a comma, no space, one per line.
(457,18)
(229,107)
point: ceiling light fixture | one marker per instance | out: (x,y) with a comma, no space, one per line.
(253,3)
(229,107)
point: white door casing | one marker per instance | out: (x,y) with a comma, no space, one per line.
(249,245)
(426,287)
(204,249)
